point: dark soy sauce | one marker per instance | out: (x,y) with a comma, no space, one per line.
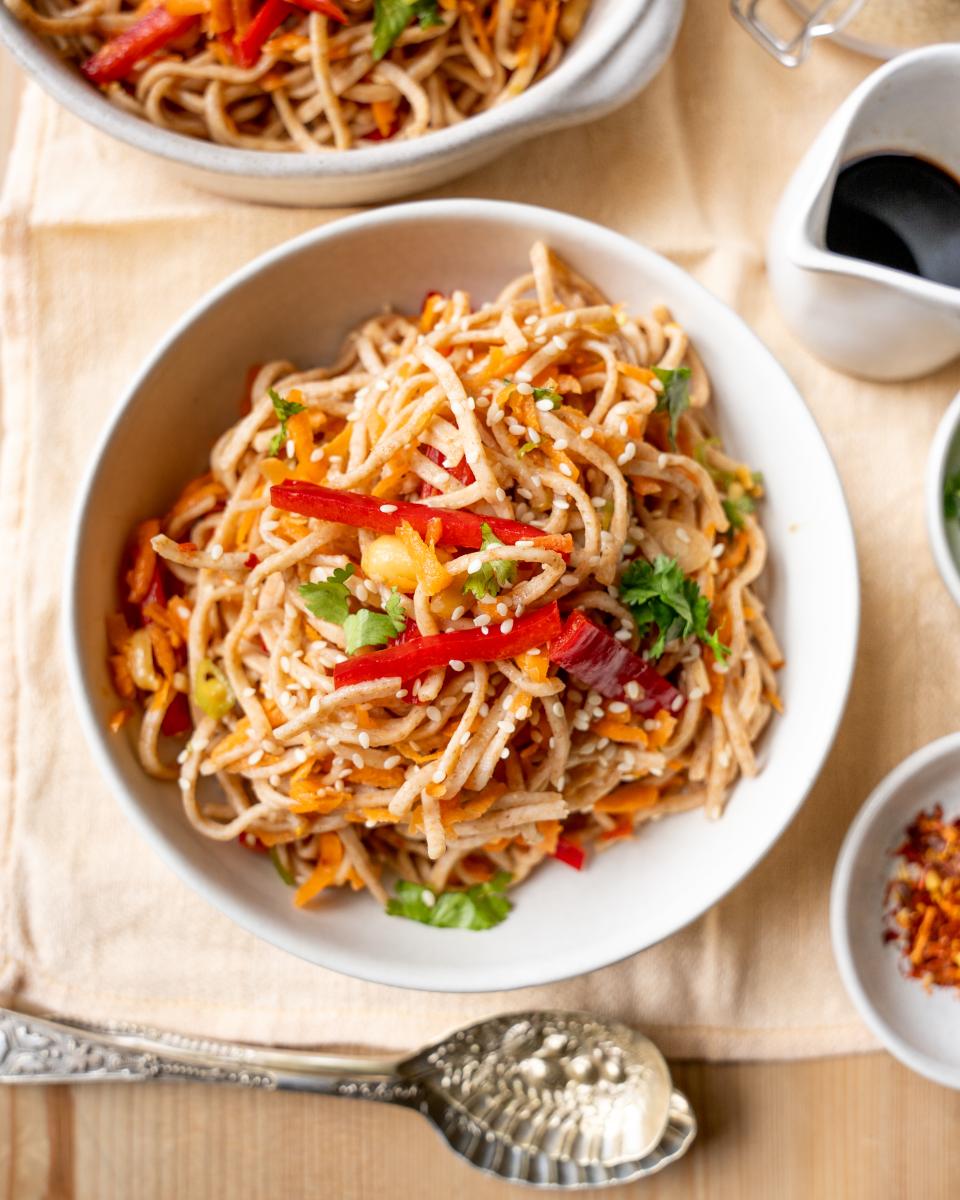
(898,211)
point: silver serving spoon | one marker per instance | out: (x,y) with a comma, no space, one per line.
(552,1099)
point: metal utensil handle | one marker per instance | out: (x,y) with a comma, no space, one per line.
(792,50)
(36,1050)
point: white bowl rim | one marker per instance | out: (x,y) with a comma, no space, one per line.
(948,432)
(581,959)
(847,860)
(563,97)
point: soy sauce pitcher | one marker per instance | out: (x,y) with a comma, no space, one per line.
(877,310)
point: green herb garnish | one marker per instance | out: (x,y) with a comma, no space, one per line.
(951,497)
(659,594)
(368,628)
(674,400)
(493,575)
(330,600)
(555,398)
(391,18)
(479,907)
(284,410)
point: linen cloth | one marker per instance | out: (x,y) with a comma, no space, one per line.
(102,249)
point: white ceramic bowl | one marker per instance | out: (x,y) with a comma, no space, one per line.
(622,45)
(922,1030)
(564,922)
(942,462)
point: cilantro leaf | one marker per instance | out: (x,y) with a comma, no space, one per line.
(329,600)
(391,18)
(284,409)
(951,497)
(493,575)
(548,394)
(737,507)
(368,628)
(660,596)
(479,907)
(674,400)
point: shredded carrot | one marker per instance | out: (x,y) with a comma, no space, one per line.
(329,858)
(616,731)
(536,666)
(140,575)
(640,374)
(630,798)
(431,573)
(378,777)
(162,650)
(550,831)
(384,114)
(120,718)
(284,837)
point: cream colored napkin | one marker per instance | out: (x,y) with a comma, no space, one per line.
(103,249)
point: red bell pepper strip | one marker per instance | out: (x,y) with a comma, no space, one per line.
(570,853)
(596,658)
(116,58)
(156,592)
(176,719)
(246,47)
(461,472)
(460,528)
(407,660)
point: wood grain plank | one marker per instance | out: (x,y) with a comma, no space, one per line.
(857,1128)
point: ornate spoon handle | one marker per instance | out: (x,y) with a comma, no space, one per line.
(35,1050)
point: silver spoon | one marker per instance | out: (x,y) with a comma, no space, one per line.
(552,1099)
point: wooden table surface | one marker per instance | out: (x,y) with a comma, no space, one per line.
(843,1129)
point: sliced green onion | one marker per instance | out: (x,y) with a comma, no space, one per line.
(281,870)
(211,690)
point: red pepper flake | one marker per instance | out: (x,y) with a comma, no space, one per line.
(923,914)
(251,561)
(570,853)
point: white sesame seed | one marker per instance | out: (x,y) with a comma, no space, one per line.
(316,455)
(301,756)
(695,694)
(718,549)
(557,708)
(505,752)
(481,620)
(633,690)
(427,898)
(531,320)
(403,692)
(284,699)
(248,692)
(433,713)
(535,479)
(527,495)
(523,376)
(500,494)
(719,668)
(565,469)
(559,342)
(523,712)
(507,625)
(570,320)
(364,739)
(533,435)
(393,761)
(627,455)
(618,706)
(456,664)
(683,536)
(268,526)
(357,760)
(677,704)
(561,504)
(474,565)
(515,428)
(525,389)
(285,663)
(662,461)
(314,705)
(502,609)
(586,432)
(291,448)
(560,444)
(274,780)
(469,688)
(623,429)
(184,784)
(464,737)
(388,508)
(623,635)
(484,709)
(439,775)
(216,551)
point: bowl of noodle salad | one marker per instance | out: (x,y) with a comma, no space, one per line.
(336,101)
(467,609)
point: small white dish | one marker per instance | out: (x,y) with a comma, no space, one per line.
(942,462)
(861,318)
(921,1029)
(565,922)
(620,48)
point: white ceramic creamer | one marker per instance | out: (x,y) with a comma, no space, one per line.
(859,317)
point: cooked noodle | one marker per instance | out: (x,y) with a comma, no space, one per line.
(474,767)
(315,85)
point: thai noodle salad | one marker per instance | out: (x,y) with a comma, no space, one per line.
(479,594)
(308,75)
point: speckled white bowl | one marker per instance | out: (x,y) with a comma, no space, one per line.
(621,47)
(565,922)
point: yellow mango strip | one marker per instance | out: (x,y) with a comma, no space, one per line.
(630,798)
(328,864)
(432,575)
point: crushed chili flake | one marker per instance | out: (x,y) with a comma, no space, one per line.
(923,914)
